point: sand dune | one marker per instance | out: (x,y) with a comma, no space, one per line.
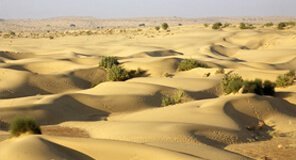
(42,149)
(59,83)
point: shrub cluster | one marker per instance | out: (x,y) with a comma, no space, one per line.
(286,80)
(172,99)
(232,83)
(246,26)
(217,25)
(188,64)
(258,87)
(117,73)
(24,125)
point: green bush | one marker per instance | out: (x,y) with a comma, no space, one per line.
(188,64)
(246,26)
(206,25)
(217,25)
(108,62)
(232,83)
(117,73)
(157,28)
(24,125)
(164,26)
(172,99)
(268,88)
(286,79)
(257,87)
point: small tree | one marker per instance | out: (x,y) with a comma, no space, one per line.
(217,26)
(164,26)
(24,125)
(282,26)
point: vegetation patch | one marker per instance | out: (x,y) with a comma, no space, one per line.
(164,26)
(188,64)
(117,73)
(232,83)
(286,80)
(172,99)
(258,87)
(24,125)
(284,25)
(108,62)
(246,26)
(217,25)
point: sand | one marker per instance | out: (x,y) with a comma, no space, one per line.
(58,82)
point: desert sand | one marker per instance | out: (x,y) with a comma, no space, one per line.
(59,83)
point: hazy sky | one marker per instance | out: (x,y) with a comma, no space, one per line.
(145,8)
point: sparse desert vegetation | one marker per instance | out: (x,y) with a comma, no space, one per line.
(189,91)
(246,26)
(286,80)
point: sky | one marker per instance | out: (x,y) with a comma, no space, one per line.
(15,9)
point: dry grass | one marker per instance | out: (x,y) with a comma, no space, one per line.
(64,131)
